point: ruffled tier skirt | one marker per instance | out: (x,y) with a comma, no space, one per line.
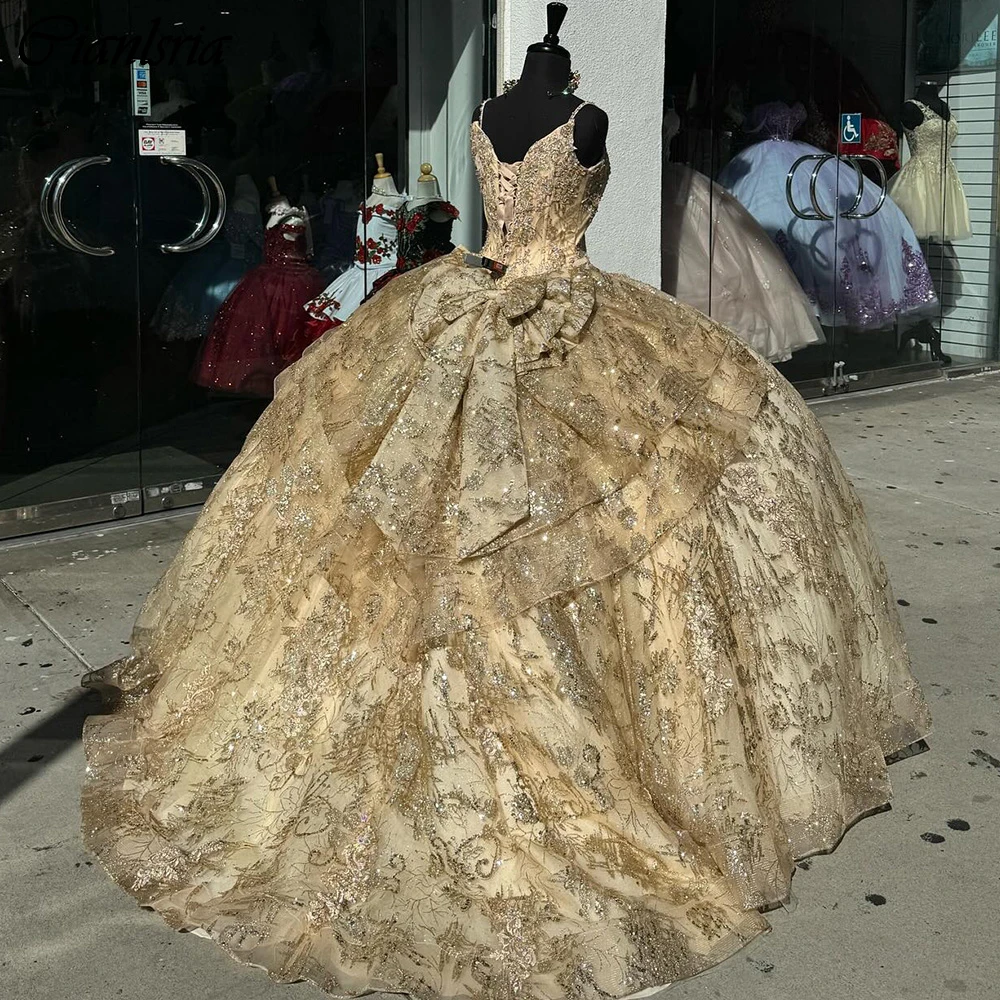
(388,726)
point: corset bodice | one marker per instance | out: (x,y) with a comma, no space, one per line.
(537,210)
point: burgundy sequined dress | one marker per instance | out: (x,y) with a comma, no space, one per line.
(261,328)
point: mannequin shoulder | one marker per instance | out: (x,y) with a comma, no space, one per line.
(911,115)
(590,134)
(477,115)
(591,118)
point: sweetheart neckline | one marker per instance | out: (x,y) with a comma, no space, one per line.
(541,139)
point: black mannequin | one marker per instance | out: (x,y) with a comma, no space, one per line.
(536,105)
(927,93)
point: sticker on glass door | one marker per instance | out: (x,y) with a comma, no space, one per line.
(141,100)
(162,140)
(850,128)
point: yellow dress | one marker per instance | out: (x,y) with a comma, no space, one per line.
(532,637)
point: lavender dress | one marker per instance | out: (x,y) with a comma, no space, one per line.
(858,273)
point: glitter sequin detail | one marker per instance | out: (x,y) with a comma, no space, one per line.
(531,637)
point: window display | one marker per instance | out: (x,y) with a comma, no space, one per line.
(156,296)
(880,272)
(836,127)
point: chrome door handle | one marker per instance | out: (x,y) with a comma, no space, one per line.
(50,205)
(818,214)
(854,213)
(206,228)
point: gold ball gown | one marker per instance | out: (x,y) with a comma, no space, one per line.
(532,637)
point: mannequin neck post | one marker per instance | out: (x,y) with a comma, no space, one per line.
(547,72)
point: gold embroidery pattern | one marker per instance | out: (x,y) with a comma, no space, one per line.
(533,635)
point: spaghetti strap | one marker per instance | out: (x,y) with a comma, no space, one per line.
(482,108)
(577,110)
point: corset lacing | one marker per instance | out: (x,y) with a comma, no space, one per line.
(506,195)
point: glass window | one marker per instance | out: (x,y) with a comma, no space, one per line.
(858,141)
(192,194)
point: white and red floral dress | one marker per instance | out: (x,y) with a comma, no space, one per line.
(375,254)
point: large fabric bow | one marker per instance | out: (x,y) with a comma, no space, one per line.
(476,335)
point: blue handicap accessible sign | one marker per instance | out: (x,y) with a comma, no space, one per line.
(850,128)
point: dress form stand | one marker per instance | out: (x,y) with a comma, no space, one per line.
(540,102)
(383,183)
(429,199)
(278,205)
(425,226)
(428,190)
(280,211)
(928,92)
(429,206)
(383,208)
(376,243)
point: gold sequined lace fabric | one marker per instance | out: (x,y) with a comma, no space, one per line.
(538,210)
(533,635)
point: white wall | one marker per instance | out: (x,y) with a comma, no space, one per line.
(617,46)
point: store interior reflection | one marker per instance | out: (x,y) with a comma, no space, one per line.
(858,140)
(129,377)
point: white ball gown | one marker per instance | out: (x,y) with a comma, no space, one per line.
(376,253)
(716,258)
(928,189)
(531,638)
(862,274)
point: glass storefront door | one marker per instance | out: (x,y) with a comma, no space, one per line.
(807,114)
(282,109)
(69,354)
(116,259)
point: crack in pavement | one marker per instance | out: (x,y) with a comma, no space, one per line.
(861,478)
(47,625)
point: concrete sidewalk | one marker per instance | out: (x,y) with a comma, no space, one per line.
(906,909)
